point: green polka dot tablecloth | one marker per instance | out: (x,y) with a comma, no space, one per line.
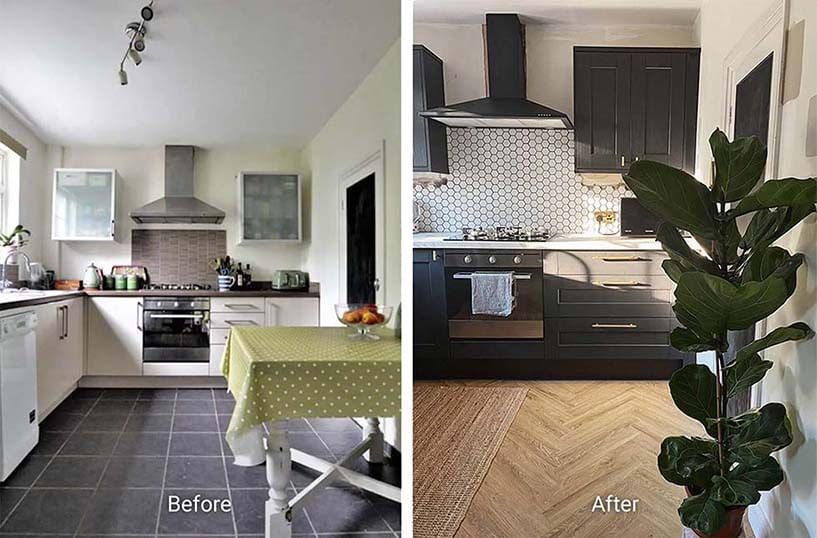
(278,373)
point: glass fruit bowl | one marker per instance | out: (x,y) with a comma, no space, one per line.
(363,318)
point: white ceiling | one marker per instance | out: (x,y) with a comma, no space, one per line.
(215,72)
(588,12)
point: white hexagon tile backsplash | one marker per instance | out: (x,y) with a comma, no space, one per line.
(513,177)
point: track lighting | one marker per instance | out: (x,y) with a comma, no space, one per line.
(136,32)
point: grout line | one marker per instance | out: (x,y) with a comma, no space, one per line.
(224,465)
(167,460)
(334,457)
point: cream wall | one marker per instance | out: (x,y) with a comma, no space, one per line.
(789,510)
(549,55)
(357,130)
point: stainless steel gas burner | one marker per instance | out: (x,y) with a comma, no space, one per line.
(501,233)
(180,287)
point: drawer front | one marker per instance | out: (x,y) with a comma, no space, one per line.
(216,352)
(629,263)
(225,320)
(219,336)
(237,305)
(610,338)
(609,296)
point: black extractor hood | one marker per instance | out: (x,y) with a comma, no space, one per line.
(178,205)
(506,106)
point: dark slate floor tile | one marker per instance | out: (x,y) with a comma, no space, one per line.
(222,394)
(195,423)
(248,505)
(340,443)
(50,442)
(157,394)
(50,511)
(310,443)
(246,477)
(195,444)
(223,423)
(195,407)
(359,535)
(339,510)
(112,407)
(9,497)
(153,407)
(197,524)
(195,394)
(78,405)
(59,421)
(86,394)
(142,444)
(134,472)
(302,476)
(149,423)
(334,425)
(131,511)
(183,472)
(298,425)
(90,444)
(225,407)
(120,394)
(27,472)
(103,423)
(388,510)
(72,472)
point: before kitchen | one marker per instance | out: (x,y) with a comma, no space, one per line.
(188,217)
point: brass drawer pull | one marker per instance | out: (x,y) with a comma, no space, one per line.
(624,283)
(621,258)
(614,326)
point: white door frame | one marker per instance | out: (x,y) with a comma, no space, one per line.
(766,36)
(375,164)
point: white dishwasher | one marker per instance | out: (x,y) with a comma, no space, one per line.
(19,431)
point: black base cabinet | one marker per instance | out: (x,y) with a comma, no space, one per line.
(430,318)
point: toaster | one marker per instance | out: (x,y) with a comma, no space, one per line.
(290,280)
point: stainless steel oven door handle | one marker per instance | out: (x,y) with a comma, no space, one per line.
(239,323)
(176,316)
(516,276)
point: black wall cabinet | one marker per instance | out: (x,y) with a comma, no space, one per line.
(430,318)
(430,139)
(635,103)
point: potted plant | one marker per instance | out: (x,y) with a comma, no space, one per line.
(13,242)
(738,280)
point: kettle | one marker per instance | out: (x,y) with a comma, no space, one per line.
(92,278)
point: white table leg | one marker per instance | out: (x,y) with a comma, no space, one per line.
(277,514)
(372,429)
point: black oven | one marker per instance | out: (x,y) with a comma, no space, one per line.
(526,319)
(175,329)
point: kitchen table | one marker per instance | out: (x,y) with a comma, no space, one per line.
(282,373)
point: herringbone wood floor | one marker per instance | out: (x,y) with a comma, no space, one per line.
(572,441)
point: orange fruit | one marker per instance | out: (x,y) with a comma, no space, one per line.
(369,318)
(352,316)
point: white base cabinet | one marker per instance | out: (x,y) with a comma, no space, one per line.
(114,336)
(293,312)
(60,351)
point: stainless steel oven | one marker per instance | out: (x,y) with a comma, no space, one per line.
(526,318)
(176,329)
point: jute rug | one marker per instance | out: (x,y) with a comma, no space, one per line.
(457,433)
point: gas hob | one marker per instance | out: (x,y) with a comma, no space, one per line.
(501,233)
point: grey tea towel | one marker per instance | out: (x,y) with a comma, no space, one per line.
(492,293)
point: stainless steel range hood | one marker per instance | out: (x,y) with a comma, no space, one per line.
(178,206)
(507,105)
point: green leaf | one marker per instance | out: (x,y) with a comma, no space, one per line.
(684,339)
(693,389)
(739,165)
(753,436)
(703,513)
(689,461)
(711,305)
(764,476)
(744,372)
(774,261)
(764,222)
(734,492)
(673,269)
(777,193)
(677,248)
(674,196)
(793,332)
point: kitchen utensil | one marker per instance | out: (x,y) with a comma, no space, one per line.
(109,283)
(120,282)
(225,282)
(139,270)
(363,318)
(290,280)
(36,276)
(132,281)
(92,278)
(67,285)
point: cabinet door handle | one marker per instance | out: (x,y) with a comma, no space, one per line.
(139,316)
(623,283)
(65,320)
(241,307)
(621,258)
(434,255)
(240,322)
(614,326)
(622,161)
(61,320)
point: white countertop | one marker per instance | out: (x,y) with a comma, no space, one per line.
(557,242)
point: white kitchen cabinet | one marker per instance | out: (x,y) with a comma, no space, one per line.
(216,353)
(269,207)
(293,312)
(84,205)
(60,351)
(114,336)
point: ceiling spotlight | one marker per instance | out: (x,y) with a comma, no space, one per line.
(147,12)
(135,56)
(139,44)
(123,77)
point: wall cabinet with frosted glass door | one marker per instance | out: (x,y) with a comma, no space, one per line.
(84,205)
(269,207)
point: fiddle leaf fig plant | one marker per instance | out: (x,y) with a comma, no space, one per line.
(737,280)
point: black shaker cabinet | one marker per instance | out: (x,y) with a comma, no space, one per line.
(430,318)
(430,139)
(635,103)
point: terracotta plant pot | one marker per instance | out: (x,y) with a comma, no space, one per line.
(732,524)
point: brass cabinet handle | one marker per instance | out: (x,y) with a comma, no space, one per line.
(624,283)
(622,160)
(621,258)
(614,326)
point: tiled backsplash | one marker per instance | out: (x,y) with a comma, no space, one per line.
(178,255)
(521,177)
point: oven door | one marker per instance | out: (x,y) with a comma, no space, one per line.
(176,336)
(524,322)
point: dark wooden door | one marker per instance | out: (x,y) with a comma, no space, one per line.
(602,110)
(360,241)
(430,318)
(657,111)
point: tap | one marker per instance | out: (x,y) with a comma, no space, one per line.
(5,283)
